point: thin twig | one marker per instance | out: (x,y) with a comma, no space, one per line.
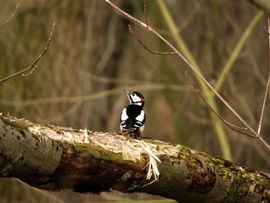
(10,17)
(146,47)
(241,100)
(261,139)
(92,96)
(32,67)
(237,50)
(196,72)
(267,84)
(229,124)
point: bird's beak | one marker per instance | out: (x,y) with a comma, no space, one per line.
(126,92)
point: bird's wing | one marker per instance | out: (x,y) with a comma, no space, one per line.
(140,119)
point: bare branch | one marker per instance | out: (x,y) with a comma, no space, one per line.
(267,84)
(237,50)
(232,126)
(93,96)
(27,71)
(258,135)
(262,140)
(193,69)
(10,17)
(144,45)
(201,77)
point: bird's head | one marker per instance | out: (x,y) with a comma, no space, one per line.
(135,97)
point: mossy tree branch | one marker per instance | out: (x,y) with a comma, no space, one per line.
(55,158)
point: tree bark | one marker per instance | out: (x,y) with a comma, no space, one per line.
(263,4)
(55,158)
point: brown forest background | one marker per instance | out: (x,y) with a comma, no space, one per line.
(92,52)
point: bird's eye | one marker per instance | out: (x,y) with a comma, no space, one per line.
(133,94)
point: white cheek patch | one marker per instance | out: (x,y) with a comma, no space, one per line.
(135,98)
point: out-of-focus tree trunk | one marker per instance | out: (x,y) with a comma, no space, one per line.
(55,158)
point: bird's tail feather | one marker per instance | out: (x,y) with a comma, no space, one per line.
(133,132)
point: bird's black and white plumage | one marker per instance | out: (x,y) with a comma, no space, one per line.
(132,118)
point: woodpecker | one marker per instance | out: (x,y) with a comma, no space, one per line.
(133,117)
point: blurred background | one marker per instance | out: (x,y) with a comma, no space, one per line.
(93,56)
